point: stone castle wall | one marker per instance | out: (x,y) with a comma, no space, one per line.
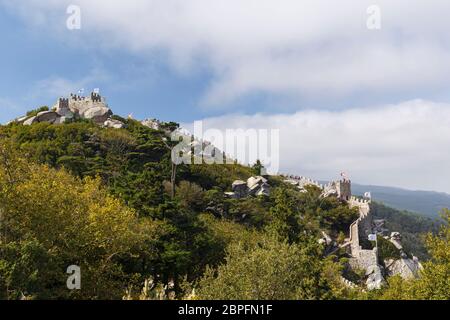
(93,107)
(361,228)
(363,259)
(360,257)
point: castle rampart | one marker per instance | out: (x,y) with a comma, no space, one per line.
(93,107)
(360,229)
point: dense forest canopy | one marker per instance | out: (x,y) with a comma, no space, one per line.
(112,202)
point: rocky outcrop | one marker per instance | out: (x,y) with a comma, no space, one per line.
(47,116)
(97,114)
(239,188)
(258,186)
(93,108)
(405,268)
(152,124)
(115,124)
(255,186)
(396,239)
(375,279)
(29,121)
(44,116)
(21,119)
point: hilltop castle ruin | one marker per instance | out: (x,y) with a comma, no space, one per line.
(93,107)
(361,257)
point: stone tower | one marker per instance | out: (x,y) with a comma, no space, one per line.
(62,107)
(344,189)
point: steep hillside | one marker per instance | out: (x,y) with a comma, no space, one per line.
(183,205)
(111,202)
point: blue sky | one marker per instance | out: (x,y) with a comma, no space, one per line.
(312,64)
(31,60)
(41,57)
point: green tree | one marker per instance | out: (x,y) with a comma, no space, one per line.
(271,270)
(51,220)
(434,279)
(284,221)
(257,168)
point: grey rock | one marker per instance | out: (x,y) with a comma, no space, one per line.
(30,121)
(258,186)
(47,116)
(264,190)
(115,124)
(152,123)
(375,280)
(239,188)
(405,268)
(396,236)
(22,119)
(253,181)
(255,186)
(97,114)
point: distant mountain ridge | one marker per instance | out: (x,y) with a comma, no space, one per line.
(427,203)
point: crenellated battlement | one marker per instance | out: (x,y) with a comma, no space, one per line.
(359,229)
(302,181)
(93,107)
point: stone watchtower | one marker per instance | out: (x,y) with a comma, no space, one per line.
(344,189)
(62,107)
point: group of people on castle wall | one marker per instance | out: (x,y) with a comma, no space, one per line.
(95,97)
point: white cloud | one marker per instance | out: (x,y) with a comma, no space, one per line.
(289,47)
(402,145)
(293,48)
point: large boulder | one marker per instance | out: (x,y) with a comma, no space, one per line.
(29,121)
(47,116)
(396,239)
(258,186)
(22,119)
(264,190)
(405,268)
(375,279)
(240,189)
(97,114)
(112,123)
(152,123)
(253,181)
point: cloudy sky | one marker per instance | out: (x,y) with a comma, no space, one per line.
(373,103)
